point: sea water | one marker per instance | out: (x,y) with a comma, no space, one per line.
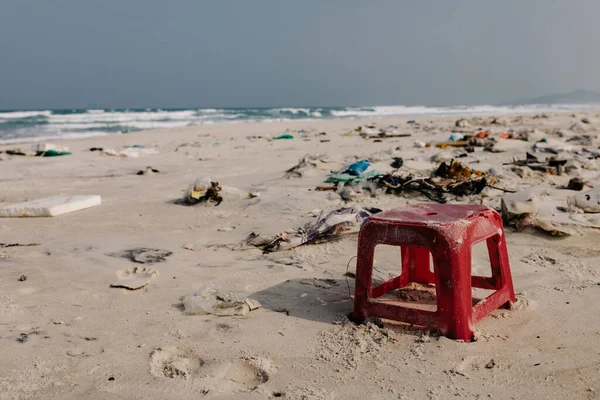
(19,125)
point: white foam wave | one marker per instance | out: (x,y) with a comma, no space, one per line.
(290,110)
(24,114)
(69,135)
(117,117)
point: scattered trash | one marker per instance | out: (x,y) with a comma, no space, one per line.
(284,136)
(148,171)
(551,146)
(50,206)
(552,165)
(143,255)
(210,300)
(458,143)
(309,161)
(130,152)
(533,207)
(347,178)
(453,178)
(576,184)
(41,150)
(522,207)
(357,168)
(2,245)
(587,202)
(384,135)
(203,190)
(327,227)
(397,163)
(462,123)
(54,153)
(49,150)
(16,153)
(134,278)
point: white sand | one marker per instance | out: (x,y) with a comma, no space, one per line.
(65,333)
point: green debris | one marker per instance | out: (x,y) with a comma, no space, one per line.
(284,136)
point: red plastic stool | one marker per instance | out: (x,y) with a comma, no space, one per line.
(447,232)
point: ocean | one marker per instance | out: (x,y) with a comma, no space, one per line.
(24,126)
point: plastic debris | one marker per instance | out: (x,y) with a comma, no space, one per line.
(309,161)
(552,165)
(575,184)
(397,163)
(148,171)
(589,202)
(462,123)
(327,227)
(284,136)
(453,178)
(203,190)
(130,152)
(525,204)
(534,208)
(50,206)
(134,278)
(357,168)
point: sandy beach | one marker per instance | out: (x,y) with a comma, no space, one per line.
(65,333)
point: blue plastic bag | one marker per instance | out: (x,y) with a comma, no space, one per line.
(357,168)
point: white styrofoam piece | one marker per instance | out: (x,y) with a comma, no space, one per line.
(50,206)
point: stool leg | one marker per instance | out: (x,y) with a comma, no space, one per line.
(453,289)
(501,266)
(416,266)
(493,245)
(364,278)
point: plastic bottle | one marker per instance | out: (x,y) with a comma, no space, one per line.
(588,202)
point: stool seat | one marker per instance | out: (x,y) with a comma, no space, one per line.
(446,232)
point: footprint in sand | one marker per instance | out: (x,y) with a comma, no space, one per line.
(230,375)
(175,363)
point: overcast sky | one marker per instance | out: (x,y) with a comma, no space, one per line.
(179,53)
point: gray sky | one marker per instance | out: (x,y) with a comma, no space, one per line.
(157,53)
